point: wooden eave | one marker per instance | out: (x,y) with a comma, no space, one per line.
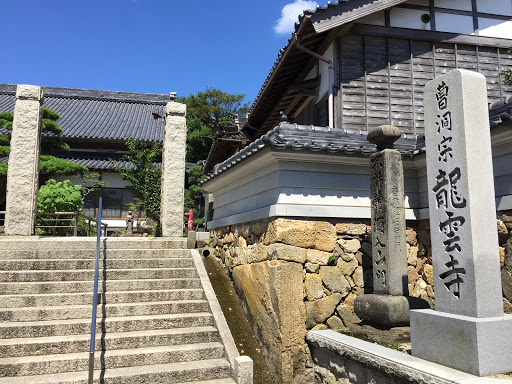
(277,93)
(222,148)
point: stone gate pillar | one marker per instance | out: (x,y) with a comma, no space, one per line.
(173,169)
(23,171)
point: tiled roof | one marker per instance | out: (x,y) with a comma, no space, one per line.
(95,160)
(500,114)
(99,161)
(100,115)
(288,136)
(292,137)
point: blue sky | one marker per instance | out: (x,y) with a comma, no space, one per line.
(155,46)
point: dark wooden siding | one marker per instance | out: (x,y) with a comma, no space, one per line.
(381,79)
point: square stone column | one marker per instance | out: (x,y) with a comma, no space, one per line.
(173,169)
(23,171)
(468,330)
(387,305)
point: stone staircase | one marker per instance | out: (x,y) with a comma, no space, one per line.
(154,320)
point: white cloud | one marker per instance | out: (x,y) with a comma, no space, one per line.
(290,15)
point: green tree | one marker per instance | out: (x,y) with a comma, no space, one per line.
(194,193)
(145,176)
(507,73)
(207,113)
(50,140)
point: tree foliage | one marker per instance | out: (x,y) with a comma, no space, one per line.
(507,73)
(194,193)
(62,196)
(50,141)
(208,112)
(145,177)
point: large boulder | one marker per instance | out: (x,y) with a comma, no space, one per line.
(255,253)
(313,287)
(349,245)
(320,310)
(334,280)
(317,257)
(351,229)
(305,234)
(272,294)
(286,252)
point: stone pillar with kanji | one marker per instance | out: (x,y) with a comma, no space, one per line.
(389,304)
(468,330)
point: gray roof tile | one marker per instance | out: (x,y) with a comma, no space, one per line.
(293,137)
(100,115)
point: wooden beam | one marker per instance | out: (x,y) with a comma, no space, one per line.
(303,105)
(306,84)
(476,28)
(292,104)
(442,37)
(308,92)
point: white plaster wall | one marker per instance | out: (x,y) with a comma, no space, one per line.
(114,180)
(463,5)
(447,22)
(374,19)
(453,23)
(419,2)
(324,72)
(407,18)
(305,185)
(74,180)
(497,7)
(495,28)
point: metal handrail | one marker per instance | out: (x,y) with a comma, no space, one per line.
(95,299)
(75,217)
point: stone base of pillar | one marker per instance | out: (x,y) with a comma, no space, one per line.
(388,310)
(480,346)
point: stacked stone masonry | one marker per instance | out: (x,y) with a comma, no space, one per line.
(331,262)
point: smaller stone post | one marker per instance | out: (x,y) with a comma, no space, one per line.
(129,223)
(388,305)
(173,170)
(23,171)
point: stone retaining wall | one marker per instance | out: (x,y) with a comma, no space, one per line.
(296,275)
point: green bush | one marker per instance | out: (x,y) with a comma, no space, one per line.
(62,196)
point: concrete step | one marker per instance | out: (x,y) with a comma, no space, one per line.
(91,254)
(215,381)
(66,243)
(85,298)
(87,286)
(119,358)
(44,328)
(157,373)
(49,345)
(84,264)
(66,312)
(88,274)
